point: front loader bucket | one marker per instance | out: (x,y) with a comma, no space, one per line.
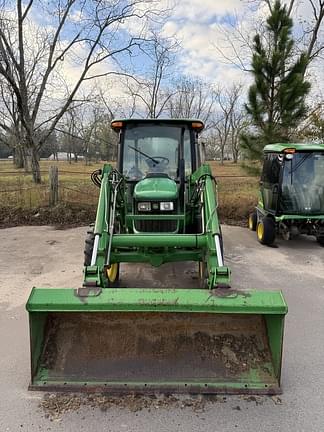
(167,340)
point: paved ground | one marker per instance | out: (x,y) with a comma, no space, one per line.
(41,256)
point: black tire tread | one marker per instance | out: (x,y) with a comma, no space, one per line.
(254,217)
(269,231)
(88,247)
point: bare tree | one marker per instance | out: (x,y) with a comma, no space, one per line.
(236,44)
(312,38)
(230,120)
(10,123)
(72,144)
(86,33)
(238,123)
(86,131)
(149,95)
(192,98)
(313,126)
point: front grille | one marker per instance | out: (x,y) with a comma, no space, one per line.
(156,226)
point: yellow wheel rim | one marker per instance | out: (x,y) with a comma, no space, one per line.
(112,272)
(250,222)
(260,231)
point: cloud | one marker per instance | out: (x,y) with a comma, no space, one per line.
(201,45)
(205,10)
(202,26)
(210,31)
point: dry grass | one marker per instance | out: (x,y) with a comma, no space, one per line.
(18,190)
(227,170)
(237,190)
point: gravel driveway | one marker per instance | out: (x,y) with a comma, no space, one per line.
(42,256)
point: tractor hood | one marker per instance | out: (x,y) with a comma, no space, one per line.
(156,188)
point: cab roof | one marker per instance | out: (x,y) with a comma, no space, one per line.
(304,147)
(188,121)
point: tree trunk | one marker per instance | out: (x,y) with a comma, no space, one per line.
(19,157)
(35,166)
(28,160)
(235,154)
(222,156)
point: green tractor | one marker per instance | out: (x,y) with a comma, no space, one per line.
(291,200)
(157,209)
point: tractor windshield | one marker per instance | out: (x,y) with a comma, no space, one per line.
(303,183)
(154,148)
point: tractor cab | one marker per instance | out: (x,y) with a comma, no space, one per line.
(291,192)
(156,157)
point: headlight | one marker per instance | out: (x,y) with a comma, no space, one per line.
(166,206)
(144,206)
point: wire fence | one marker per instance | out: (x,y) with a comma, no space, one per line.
(18,190)
(75,187)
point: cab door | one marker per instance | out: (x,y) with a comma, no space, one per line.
(270,181)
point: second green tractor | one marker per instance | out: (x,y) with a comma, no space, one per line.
(291,198)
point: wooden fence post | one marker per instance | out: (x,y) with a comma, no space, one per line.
(53,185)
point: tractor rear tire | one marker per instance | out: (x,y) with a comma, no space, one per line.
(253,221)
(320,240)
(266,231)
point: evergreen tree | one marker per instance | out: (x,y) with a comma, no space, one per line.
(276,100)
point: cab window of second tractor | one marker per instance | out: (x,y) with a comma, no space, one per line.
(302,183)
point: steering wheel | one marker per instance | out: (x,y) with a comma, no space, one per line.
(163,162)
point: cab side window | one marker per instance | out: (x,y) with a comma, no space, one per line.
(270,178)
(271,169)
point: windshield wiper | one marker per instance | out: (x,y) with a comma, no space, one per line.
(144,154)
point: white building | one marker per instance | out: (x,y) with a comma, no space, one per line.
(64,156)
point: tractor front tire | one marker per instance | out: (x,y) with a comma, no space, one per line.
(88,247)
(111,276)
(266,231)
(253,220)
